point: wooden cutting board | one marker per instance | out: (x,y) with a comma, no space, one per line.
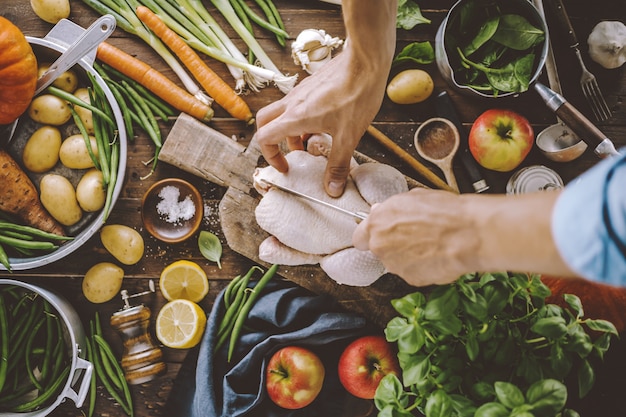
(203,151)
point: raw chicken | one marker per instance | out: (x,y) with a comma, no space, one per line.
(303,232)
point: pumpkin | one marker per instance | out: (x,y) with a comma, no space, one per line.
(18,72)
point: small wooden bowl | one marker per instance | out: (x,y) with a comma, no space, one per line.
(170,217)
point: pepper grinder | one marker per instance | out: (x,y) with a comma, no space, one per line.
(142,358)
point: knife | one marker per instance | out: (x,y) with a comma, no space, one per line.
(445,108)
(359,215)
(575,120)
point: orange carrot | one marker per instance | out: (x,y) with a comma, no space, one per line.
(214,85)
(154,81)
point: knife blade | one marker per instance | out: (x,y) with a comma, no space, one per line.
(445,108)
(358,215)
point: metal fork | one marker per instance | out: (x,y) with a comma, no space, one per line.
(588,81)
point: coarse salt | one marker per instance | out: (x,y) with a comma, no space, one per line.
(171,208)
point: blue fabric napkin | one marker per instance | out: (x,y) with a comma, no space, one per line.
(284,314)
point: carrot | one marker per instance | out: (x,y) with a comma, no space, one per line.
(154,81)
(214,85)
(20,197)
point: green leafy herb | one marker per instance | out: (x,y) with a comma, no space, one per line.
(490,345)
(210,247)
(497,50)
(409,15)
(416,52)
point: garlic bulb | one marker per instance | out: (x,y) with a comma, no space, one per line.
(312,48)
(607,44)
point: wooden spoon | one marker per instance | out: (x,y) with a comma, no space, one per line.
(437,141)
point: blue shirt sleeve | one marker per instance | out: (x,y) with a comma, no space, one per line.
(589,222)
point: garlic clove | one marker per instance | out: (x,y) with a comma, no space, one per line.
(607,44)
(312,48)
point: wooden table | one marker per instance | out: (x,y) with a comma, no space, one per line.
(397,121)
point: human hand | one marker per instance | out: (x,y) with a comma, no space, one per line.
(341,99)
(421,236)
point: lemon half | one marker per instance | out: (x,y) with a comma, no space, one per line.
(184,279)
(180,324)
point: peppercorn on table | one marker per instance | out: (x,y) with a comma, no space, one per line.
(398,122)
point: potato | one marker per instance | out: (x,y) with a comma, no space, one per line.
(84,114)
(90,191)
(51,10)
(102,282)
(123,242)
(48,109)
(68,81)
(410,86)
(74,154)
(58,196)
(41,151)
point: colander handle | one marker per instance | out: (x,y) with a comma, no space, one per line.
(79,397)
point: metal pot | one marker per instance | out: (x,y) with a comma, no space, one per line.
(77,385)
(50,47)
(442,55)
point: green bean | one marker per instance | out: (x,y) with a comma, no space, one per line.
(29,344)
(111,186)
(33,231)
(4,259)
(45,367)
(4,342)
(127,115)
(102,141)
(151,124)
(232,285)
(92,382)
(236,305)
(265,24)
(54,388)
(78,102)
(107,360)
(83,131)
(243,314)
(118,373)
(27,244)
(17,235)
(224,334)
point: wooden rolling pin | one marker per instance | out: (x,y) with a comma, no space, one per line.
(406,157)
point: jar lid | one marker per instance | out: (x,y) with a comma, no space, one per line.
(534,178)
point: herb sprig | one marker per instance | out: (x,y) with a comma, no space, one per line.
(490,345)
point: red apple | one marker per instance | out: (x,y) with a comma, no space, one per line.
(294,377)
(364,362)
(500,139)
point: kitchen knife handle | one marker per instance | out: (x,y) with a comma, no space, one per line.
(445,109)
(563,20)
(585,130)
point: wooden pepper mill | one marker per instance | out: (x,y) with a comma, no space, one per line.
(142,359)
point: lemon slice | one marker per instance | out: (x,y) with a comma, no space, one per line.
(180,324)
(184,279)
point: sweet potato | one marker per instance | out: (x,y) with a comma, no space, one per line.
(19,197)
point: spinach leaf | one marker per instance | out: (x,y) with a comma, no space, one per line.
(409,15)
(486,32)
(417,52)
(515,32)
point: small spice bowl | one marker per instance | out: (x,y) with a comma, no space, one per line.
(172,210)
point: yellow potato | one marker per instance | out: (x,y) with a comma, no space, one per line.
(48,109)
(123,242)
(84,114)
(102,282)
(68,81)
(90,191)
(410,86)
(74,153)
(51,10)
(41,151)
(58,196)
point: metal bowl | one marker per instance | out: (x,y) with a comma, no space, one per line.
(78,380)
(47,49)
(558,143)
(446,61)
(170,227)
